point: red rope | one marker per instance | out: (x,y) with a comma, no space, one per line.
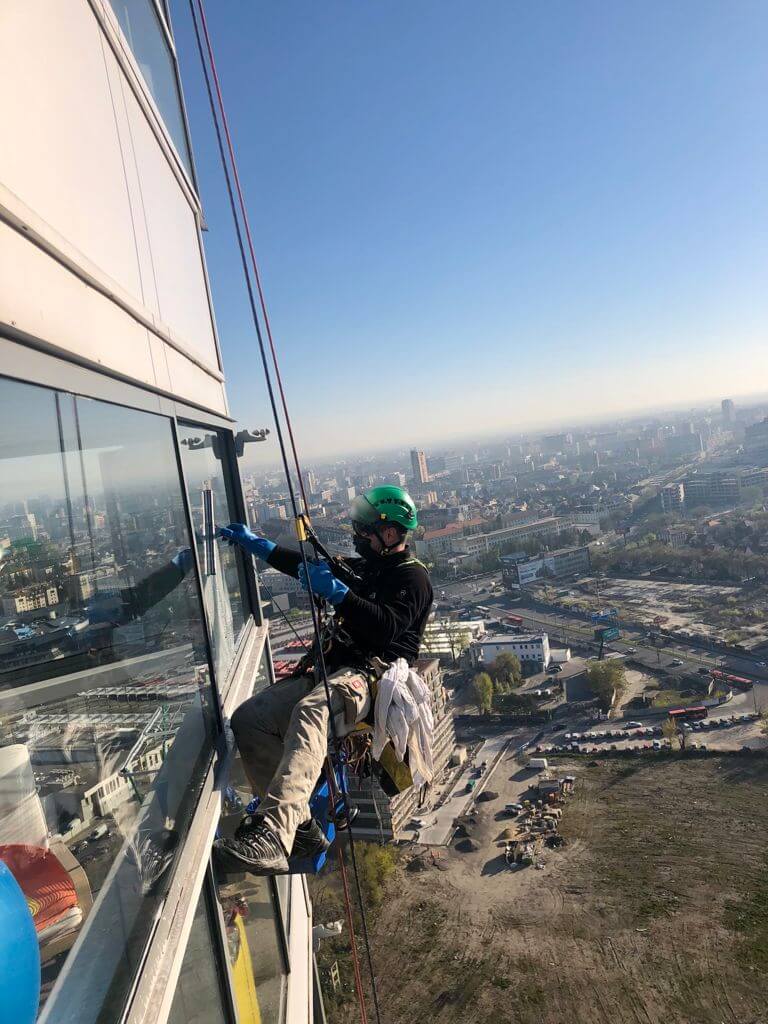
(332,792)
(249,239)
(244,215)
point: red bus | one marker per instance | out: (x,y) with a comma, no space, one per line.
(513,620)
(725,677)
(689,714)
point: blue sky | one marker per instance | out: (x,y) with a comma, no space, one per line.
(474,217)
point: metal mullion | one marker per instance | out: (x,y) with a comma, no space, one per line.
(232,471)
(206,630)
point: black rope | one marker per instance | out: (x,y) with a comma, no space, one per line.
(292,494)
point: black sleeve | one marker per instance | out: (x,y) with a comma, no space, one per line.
(285,560)
(397,611)
(152,589)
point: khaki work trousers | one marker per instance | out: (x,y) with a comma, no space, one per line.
(282,734)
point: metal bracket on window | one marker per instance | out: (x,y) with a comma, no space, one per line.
(244,437)
(213,441)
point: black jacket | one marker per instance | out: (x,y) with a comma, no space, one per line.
(384,615)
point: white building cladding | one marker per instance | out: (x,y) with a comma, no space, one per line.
(116,454)
(531,648)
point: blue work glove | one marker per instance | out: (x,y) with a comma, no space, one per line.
(238,533)
(184,560)
(324,583)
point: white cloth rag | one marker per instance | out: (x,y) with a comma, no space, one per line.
(404,716)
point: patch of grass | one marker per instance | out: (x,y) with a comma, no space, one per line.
(749,917)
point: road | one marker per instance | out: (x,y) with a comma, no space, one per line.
(459,801)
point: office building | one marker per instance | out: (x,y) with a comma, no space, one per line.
(531,648)
(672,497)
(115,428)
(714,488)
(518,572)
(419,467)
(382,817)
(756,441)
(728,410)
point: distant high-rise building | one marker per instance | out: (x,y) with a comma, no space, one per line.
(728,409)
(398,479)
(311,482)
(419,466)
(672,497)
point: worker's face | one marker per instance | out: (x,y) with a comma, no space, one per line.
(368,543)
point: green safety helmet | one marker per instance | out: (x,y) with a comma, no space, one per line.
(386,504)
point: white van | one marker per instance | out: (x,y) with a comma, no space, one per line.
(538,762)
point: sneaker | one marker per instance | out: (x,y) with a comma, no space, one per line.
(255,848)
(153,853)
(309,840)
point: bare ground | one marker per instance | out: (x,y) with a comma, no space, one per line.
(655,911)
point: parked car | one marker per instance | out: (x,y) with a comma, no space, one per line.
(634,725)
(100,832)
(676,662)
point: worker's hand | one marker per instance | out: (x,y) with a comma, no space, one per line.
(238,533)
(184,560)
(324,583)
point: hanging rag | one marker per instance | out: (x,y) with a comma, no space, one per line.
(403,716)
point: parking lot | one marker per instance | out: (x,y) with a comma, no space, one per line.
(721,732)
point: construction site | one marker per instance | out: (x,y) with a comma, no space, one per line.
(629,892)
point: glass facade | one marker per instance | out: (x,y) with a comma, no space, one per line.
(222,568)
(109,718)
(200,994)
(255,913)
(147,39)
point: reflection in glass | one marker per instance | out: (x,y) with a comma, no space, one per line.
(221,566)
(105,701)
(250,915)
(198,997)
(146,38)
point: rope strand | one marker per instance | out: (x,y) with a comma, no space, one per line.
(281,441)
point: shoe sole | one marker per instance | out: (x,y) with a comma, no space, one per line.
(232,863)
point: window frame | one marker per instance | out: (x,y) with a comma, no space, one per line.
(150,997)
(125,57)
(31,694)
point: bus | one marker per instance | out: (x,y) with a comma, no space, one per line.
(694,714)
(513,620)
(740,682)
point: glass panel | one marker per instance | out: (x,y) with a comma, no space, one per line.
(199,998)
(146,37)
(105,700)
(250,914)
(221,566)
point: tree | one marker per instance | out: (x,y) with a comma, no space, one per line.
(764,723)
(606,679)
(669,730)
(483,688)
(505,671)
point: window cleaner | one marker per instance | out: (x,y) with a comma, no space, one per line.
(381,607)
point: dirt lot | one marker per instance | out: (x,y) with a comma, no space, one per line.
(655,911)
